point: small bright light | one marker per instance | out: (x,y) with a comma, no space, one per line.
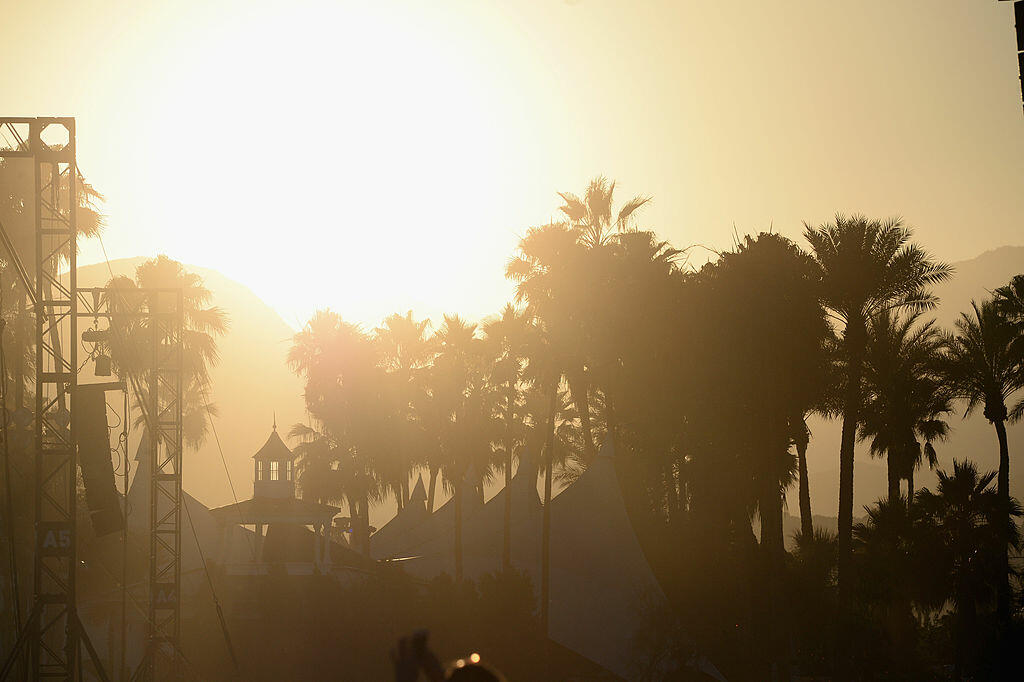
(474,658)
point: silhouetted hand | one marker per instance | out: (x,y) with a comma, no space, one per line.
(403,657)
(412,655)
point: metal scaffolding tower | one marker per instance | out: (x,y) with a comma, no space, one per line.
(53,630)
(152,319)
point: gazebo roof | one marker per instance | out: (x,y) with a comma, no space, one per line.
(274,448)
(275,510)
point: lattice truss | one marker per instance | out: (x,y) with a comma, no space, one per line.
(147,324)
(142,329)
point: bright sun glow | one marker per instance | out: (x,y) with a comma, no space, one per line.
(344,158)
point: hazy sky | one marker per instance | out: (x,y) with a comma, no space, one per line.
(377,156)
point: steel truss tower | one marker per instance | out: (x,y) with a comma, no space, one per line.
(53,633)
(144,330)
(53,630)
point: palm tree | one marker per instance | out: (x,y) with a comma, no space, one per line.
(345,394)
(825,405)
(463,403)
(904,395)
(981,368)
(866,266)
(1009,299)
(509,334)
(593,216)
(971,525)
(328,474)
(555,275)
(405,352)
(130,345)
(763,345)
(544,374)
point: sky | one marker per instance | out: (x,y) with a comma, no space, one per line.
(375,157)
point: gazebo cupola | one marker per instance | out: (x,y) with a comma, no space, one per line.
(274,475)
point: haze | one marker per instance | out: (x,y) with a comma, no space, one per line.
(382,156)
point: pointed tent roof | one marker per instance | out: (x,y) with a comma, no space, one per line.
(601,583)
(418,535)
(430,546)
(387,540)
(418,497)
(274,449)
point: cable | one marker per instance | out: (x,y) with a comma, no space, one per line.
(213,592)
(123,441)
(224,462)
(184,503)
(9,501)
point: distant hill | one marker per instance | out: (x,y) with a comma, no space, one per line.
(250,384)
(973,438)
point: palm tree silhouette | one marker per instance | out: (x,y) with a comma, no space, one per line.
(971,524)
(866,266)
(981,368)
(346,396)
(904,395)
(509,335)
(464,407)
(405,353)
(130,346)
(555,270)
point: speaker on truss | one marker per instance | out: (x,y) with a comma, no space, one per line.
(89,410)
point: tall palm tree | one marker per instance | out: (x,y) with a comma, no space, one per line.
(130,346)
(555,271)
(405,353)
(866,266)
(905,399)
(763,342)
(981,368)
(346,397)
(544,374)
(596,224)
(509,334)
(463,403)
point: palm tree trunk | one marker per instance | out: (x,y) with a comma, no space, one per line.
(432,487)
(855,336)
(893,477)
(365,524)
(806,522)
(506,547)
(458,530)
(910,489)
(545,542)
(780,622)
(578,387)
(1003,491)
